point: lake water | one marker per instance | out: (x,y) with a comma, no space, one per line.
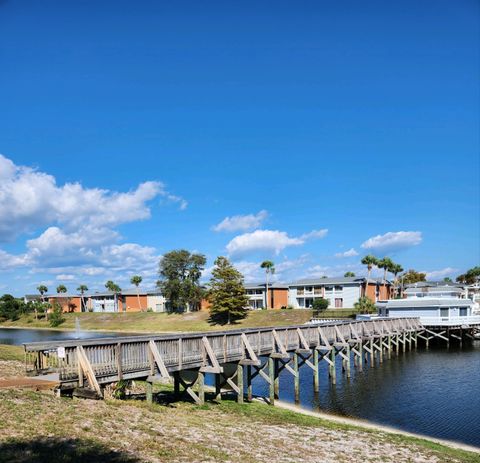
(17,336)
(434,392)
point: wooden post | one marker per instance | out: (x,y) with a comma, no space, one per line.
(240,383)
(360,357)
(316,373)
(347,363)
(277,379)
(271,375)
(380,352)
(218,390)
(296,378)
(149,392)
(333,372)
(404,341)
(372,353)
(201,387)
(176,384)
(249,383)
(389,348)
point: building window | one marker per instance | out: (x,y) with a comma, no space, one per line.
(444,312)
(317,291)
(338,288)
(463,311)
(300,291)
(328,288)
(338,302)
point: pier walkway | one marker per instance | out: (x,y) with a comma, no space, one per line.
(235,357)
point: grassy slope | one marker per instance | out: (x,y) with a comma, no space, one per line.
(162,322)
(126,430)
(11,353)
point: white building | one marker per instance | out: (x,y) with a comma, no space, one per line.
(340,292)
(436,304)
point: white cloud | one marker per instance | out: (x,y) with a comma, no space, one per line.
(314,234)
(65,277)
(268,241)
(350,253)
(393,241)
(30,199)
(272,241)
(440,274)
(241,222)
(10,261)
(317,271)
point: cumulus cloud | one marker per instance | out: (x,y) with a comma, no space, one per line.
(393,241)
(241,222)
(350,253)
(272,241)
(267,241)
(79,240)
(30,199)
(440,274)
(65,277)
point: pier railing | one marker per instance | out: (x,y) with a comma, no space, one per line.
(105,360)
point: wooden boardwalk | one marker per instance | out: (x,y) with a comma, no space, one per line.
(186,358)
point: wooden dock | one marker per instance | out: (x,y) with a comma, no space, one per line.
(235,357)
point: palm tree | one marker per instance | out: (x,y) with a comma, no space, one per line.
(61,289)
(387,265)
(136,280)
(349,274)
(115,289)
(42,289)
(82,289)
(269,267)
(370,261)
(396,269)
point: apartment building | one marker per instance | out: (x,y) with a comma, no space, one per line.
(340,292)
(257,296)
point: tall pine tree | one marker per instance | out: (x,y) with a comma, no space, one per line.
(227,293)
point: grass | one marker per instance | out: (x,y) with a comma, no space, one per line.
(133,431)
(163,322)
(8,352)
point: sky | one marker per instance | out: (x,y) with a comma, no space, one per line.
(310,133)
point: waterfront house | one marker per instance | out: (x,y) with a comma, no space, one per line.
(436,304)
(340,292)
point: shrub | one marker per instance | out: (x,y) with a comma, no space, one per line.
(56,317)
(365,305)
(320,305)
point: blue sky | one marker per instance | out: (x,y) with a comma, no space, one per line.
(132,128)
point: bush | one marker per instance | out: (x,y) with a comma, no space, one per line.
(56,317)
(365,305)
(319,305)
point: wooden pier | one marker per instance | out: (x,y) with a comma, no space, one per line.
(235,357)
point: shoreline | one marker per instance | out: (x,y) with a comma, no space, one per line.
(360,423)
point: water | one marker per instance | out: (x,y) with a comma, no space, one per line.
(18,336)
(433,392)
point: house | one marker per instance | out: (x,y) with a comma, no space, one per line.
(127,301)
(340,292)
(436,304)
(68,302)
(257,296)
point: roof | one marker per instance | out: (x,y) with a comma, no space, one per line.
(425,302)
(434,289)
(262,286)
(434,284)
(336,281)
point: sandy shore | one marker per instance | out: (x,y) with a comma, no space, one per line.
(374,426)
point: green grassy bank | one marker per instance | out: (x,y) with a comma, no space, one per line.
(163,322)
